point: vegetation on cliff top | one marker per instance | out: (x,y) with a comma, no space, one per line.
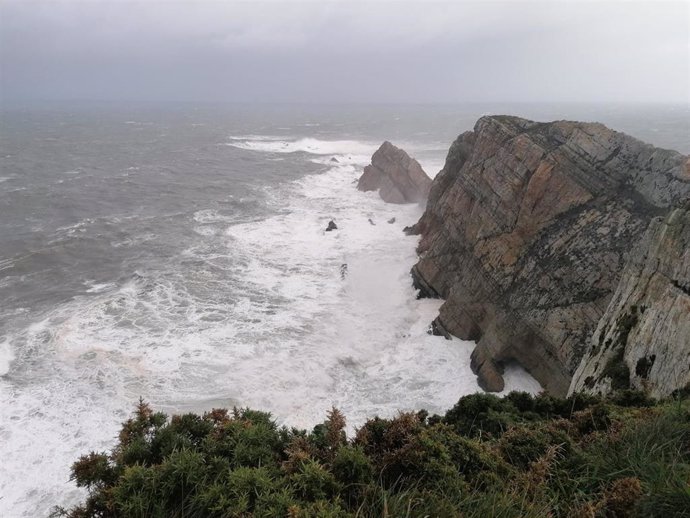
(520,456)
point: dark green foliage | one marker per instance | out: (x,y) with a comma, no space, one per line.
(93,470)
(617,370)
(624,324)
(632,398)
(593,419)
(479,414)
(352,466)
(644,365)
(522,401)
(314,482)
(521,446)
(520,456)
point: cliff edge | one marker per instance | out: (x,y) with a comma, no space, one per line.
(526,233)
(643,339)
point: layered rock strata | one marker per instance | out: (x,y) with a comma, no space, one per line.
(643,339)
(397,177)
(526,232)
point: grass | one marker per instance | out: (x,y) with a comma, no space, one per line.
(520,456)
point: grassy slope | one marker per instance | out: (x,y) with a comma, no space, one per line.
(520,456)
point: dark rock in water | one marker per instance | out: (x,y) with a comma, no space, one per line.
(411,230)
(331,226)
(489,373)
(397,177)
(525,235)
(391,221)
(343,270)
(334,159)
(437,329)
(371,222)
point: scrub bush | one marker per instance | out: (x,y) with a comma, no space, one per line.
(520,456)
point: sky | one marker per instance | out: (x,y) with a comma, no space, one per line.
(345,51)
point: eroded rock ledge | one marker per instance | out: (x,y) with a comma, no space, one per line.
(526,232)
(397,177)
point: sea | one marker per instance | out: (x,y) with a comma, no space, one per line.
(177,252)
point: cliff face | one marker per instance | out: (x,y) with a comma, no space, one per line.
(526,232)
(643,339)
(397,177)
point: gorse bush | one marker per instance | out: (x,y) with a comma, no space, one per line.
(517,456)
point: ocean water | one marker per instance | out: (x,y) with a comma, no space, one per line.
(178,253)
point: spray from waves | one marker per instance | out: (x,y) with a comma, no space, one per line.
(331,152)
(6,357)
(313,146)
(257,314)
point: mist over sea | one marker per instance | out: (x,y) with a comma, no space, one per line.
(177,252)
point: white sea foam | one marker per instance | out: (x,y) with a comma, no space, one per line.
(6,357)
(328,152)
(313,146)
(261,315)
(99,287)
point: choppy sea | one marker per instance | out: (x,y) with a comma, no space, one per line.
(177,252)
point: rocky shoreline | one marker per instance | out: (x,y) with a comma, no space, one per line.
(527,236)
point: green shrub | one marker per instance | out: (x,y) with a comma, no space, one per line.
(93,470)
(520,446)
(314,482)
(135,494)
(352,466)
(632,398)
(479,414)
(522,456)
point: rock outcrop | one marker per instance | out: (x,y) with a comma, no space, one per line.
(643,339)
(331,226)
(397,177)
(526,232)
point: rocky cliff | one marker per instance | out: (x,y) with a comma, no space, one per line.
(397,177)
(643,339)
(526,233)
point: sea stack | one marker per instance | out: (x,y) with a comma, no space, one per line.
(398,177)
(526,233)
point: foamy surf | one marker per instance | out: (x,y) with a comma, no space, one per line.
(6,357)
(260,315)
(271,144)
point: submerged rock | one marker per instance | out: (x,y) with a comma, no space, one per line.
(391,221)
(526,232)
(331,226)
(397,177)
(643,339)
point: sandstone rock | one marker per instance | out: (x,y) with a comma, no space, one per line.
(526,232)
(397,177)
(489,373)
(643,339)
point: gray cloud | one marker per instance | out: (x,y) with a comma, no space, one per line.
(345,51)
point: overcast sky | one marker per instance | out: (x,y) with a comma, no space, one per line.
(345,51)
